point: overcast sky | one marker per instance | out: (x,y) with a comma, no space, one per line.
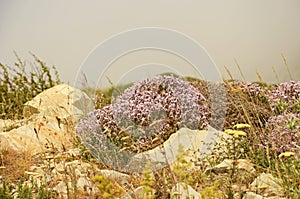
(63,33)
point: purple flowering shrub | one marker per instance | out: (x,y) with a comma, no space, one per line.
(253,91)
(90,125)
(284,133)
(247,103)
(285,97)
(281,127)
(145,114)
(148,112)
(284,128)
(89,131)
(172,97)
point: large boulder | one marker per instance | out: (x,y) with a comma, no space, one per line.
(197,143)
(62,101)
(49,120)
(38,136)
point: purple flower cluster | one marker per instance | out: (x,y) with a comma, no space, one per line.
(162,97)
(89,131)
(284,99)
(251,89)
(150,108)
(284,133)
(285,96)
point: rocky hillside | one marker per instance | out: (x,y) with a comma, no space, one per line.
(63,148)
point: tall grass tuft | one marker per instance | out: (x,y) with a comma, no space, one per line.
(20,84)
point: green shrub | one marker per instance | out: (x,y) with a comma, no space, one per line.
(20,84)
(5,190)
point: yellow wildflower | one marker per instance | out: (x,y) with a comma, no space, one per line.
(286,154)
(235,133)
(241,126)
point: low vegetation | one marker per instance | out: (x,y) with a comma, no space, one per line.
(21,83)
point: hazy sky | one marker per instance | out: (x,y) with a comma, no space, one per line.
(63,33)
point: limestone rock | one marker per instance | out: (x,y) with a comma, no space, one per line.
(86,185)
(50,118)
(62,101)
(37,136)
(183,191)
(199,143)
(223,166)
(268,185)
(62,188)
(246,165)
(119,177)
(228,164)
